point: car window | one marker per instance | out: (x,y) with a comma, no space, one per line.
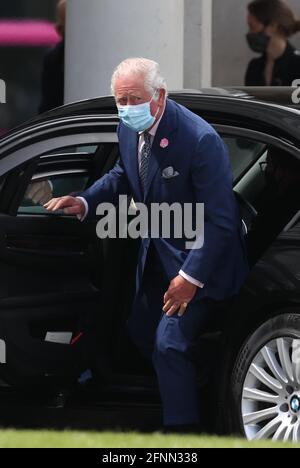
(247,156)
(66,171)
(243,154)
(41,191)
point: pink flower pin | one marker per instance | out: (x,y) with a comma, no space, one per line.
(164,143)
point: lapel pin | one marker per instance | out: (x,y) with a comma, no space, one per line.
(164,143)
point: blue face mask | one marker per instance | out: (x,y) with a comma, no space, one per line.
(138,118)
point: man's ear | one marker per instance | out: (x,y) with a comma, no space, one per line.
(162,97)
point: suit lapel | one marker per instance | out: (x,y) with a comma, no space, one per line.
(166,129)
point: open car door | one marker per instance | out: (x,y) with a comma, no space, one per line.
(50,264)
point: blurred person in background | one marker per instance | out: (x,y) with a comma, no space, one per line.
(53,75)
(271,24)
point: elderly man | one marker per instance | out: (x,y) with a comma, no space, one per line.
(175,286)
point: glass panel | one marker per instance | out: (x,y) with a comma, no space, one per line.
(243,154)
(41,191)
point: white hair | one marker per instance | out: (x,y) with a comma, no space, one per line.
(141,66)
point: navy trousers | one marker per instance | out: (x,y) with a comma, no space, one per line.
(170,343)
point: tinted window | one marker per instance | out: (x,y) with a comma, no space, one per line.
(64,172)
(41,191)
(243,154)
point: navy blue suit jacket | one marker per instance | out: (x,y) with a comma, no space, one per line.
(200,157)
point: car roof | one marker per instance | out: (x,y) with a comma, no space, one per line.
(261,102)
(279,95)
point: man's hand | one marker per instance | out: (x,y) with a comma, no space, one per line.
(70,205)
(39,192)
(180,293)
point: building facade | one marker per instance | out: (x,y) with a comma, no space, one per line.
(199,43)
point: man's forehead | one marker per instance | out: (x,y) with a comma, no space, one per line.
(130,83)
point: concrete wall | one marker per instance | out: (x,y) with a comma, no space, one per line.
(198,43)
(102,33)
(231,54)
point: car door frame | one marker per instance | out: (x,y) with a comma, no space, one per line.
(16,157)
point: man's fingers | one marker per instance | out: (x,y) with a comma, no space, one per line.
(51,204)
(56,205)
(182,309)
(59,204)
(167,296)
(171,307)
(173,310)
(44,200)
(167,305)
(70,205)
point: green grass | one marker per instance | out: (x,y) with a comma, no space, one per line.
(45,439)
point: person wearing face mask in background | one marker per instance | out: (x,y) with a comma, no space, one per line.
(271,23)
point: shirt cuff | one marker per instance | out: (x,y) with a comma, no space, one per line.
(82,218)
(191,280)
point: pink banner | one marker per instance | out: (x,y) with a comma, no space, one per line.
(29,33)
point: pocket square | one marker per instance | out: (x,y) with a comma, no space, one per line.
(169,173)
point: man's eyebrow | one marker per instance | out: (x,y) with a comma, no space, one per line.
(124,96)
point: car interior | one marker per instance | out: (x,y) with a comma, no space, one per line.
(63,301)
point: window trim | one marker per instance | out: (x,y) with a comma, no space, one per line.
(80,154)
(39,149)
(46,175)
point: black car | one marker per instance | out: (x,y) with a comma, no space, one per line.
(65,295)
